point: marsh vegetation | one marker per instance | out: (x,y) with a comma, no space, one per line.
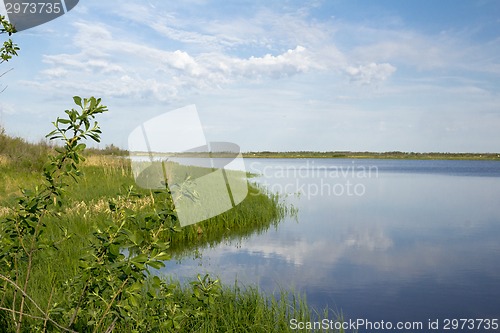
(79,243)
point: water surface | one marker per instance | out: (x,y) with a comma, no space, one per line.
(390,240)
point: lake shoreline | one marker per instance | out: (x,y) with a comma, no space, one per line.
(375,155)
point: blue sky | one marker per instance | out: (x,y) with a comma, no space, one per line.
(271,75)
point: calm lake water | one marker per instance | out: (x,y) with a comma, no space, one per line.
(378,240)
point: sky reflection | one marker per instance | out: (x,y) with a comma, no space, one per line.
(414,246)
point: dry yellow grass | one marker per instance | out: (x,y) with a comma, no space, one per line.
(102,206)
(83,208)
(4,160)
(106,161)
(4,211)
(110,164)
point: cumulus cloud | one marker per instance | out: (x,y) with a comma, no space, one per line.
(370,73)
(293,61)
(55,73)
(121,67)
(208,54)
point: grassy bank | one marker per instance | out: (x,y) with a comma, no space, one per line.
(247,310)
(86,207)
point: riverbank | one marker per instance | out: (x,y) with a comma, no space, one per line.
(87,206)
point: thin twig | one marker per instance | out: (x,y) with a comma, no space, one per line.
(111,303)
(112,326)
(6,72)
(28,270)
(48,310)
(38,317)
(3,277)
(73,317)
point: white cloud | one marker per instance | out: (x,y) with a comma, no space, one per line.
(182,35)
(289,63)
(280,45)
(55,73)
(6,108)
(371,73)
(447,50)
(406,47)
(265,58)
(120,67)
(169,26)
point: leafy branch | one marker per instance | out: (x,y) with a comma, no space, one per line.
(8,49)
(113,286)
(22,235)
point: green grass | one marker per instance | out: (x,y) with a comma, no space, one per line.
(105,177)
(237,309)
(247,310)
(22,154)
(86,204)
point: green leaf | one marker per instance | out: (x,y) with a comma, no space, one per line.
(137,286)
(114,250)
(92,103)
(81,147)
(162,256)
(78,101)
(95,137)
(72,115)
(141,258)
(63,121)
(156,264)
(156,282)
(132,300)
(136,238)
